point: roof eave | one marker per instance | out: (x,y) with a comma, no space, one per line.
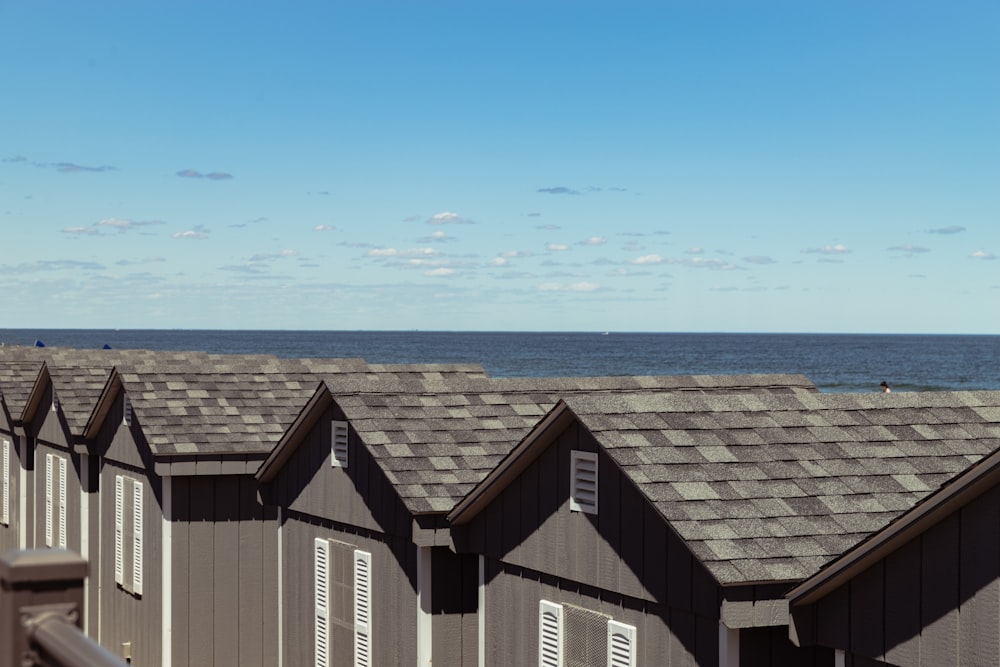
(42,380)
(512,465)
(102,408)
(976,480)
(296,433)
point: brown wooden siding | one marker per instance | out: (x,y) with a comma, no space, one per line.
(454,605)
(393,594)
(358,495)
(934,601)
(224,573)
(9,533)
(664,636)
(769,647)
(125,617)
(627,547)
(73,485)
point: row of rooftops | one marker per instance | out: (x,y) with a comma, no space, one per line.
(764,477)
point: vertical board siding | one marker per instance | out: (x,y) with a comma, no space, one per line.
(358,495)
(224,573)
(934,601)
(393,597)
(124,616)
(979,583)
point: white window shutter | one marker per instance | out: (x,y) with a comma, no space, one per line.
(119,530)
(583,482)
(62,502)
(321,576)
(137,537)
(621,645)
(362,608)
(49,464)
(5,464)
(338,455)
(550,634)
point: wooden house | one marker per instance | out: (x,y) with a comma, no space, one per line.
(924,590)
(18,374)
(187,550)
(363,479)
(646,529)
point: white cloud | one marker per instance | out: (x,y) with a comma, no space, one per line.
(263,257)
(759,259)
(556,247)
(82,231)
(448,218)
(594,240)
(324,228)
(647,259)
(498,261)
(951,229)
(705,263)
(442,271)
(982,254)
(694,251)
(190,234)
(908,249)
(838,249)
(574,287)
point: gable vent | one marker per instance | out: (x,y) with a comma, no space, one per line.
(55,402)
(126,411)
(583,482)
(338,455)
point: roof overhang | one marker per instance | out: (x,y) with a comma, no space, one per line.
(308,417)
(112,387)
(31,405)
(512,465)
(976,480)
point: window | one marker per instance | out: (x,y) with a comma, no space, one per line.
(55,501)
(342,603)
(583,482)
(571,636)
(128,534)
(338,455)
(5,483)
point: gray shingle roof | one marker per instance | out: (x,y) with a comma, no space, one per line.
(437,440)
(771,487)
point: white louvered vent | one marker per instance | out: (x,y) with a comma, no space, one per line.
(583,482)
(119,530)
(321,569)
(137,538)
(55,401)
(585,636)
(126,410)
(62,502)
(550,634)
(362,609)
(5,488)
(49,465)
(621,645)
(338,457)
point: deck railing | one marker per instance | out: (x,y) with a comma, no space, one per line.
(41,612)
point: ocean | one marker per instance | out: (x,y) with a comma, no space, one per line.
(834,362)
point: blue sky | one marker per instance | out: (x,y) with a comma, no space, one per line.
(671,166)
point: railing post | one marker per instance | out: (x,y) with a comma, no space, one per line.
(36,586)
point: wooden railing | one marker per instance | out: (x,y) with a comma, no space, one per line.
(41,612)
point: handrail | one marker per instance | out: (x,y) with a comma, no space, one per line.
(41,607)
(64,645)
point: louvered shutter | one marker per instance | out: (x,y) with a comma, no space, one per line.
(621,645)
(362,609)
(321,569)
(338,457)
(550,634)
(137,537)
(49,465)
(126,410)
(5,508)
(62,502)
(583,482)
(119,530)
